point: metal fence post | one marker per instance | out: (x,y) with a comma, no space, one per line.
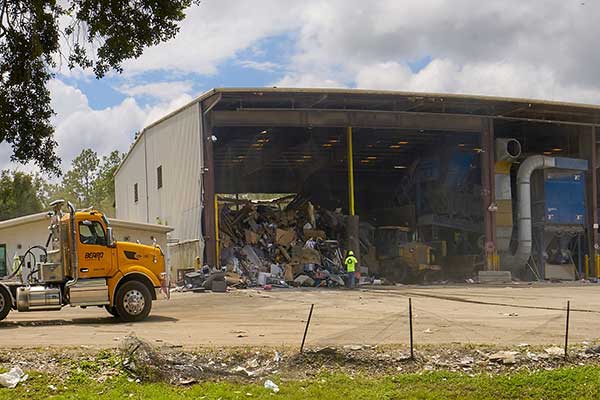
(410,325)
(306,329)
(567,328)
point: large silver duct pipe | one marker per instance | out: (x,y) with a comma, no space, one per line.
(507,149)
(518,260)
(507,152)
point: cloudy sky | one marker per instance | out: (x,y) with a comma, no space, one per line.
(538,49)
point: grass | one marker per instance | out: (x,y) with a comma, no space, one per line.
(567,383)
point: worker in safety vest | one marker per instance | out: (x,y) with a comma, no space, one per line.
(350,262)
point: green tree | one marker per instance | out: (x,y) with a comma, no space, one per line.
(79,183)
(106,181)
(99,34)
(18,195)
(89,182)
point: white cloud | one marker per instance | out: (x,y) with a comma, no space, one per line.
(215,31)
(159,90)
(511,47)
(260,65)
(78,126)
(303,80)
(497,79)
(504,48)
(159,111)
(508,48)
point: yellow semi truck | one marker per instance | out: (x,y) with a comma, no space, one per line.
(81,265)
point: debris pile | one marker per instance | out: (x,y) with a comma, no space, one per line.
(264,244)
(144,362)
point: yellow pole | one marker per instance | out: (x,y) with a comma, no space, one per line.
(350,171)
(597,265)
(586,264)
(217,232)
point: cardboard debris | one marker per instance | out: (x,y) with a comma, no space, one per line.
(251,237)
(285,237)
(288,276)
(306,256)
(315,234)
(266,244)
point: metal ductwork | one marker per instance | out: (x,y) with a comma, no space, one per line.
(515,262)
(507,151)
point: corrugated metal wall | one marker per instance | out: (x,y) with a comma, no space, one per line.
(132,172)
(174,145)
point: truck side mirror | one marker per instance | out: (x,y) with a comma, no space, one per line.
(110,237)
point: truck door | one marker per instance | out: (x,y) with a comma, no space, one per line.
(95,257)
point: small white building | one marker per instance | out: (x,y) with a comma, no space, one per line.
(19,234)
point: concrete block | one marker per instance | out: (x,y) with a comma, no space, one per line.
(495,277)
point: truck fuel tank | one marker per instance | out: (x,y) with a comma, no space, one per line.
(37,298)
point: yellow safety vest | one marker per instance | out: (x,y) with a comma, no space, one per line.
(350,263)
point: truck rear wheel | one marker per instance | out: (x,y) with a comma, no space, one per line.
(5,303)
(133,301)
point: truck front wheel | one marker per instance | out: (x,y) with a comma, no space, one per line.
(133,301)
(5,303)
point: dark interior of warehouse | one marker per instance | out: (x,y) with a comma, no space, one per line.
(418,195)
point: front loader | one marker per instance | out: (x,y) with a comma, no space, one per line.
(81,265)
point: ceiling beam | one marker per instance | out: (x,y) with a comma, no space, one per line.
(344,118)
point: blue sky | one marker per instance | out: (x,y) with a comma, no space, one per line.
(505,48)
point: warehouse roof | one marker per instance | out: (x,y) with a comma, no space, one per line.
(314,99)
(358,99)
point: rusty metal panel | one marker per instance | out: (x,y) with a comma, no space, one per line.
(208,194)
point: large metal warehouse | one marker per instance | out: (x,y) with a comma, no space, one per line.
(489,183)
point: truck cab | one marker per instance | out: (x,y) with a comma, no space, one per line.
(82,265)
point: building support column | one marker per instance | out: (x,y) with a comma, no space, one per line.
(594,203)
(352,227)
(488,193)
(587,151)
(209,199)
(350,157)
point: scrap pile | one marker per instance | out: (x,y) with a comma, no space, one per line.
(268,243)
